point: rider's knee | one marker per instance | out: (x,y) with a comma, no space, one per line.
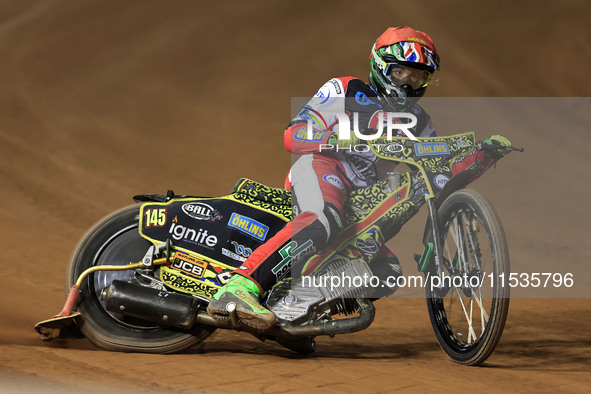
(324,228)
(386,267)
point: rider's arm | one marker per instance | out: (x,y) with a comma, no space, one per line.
(321,112)
(481,160)
(297,141)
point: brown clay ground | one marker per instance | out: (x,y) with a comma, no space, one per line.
(101,100)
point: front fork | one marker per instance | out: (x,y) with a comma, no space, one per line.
(432,250)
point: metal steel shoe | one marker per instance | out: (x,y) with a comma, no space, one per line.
(239,299)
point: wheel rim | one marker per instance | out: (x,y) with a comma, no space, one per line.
(466,304)
(124,247)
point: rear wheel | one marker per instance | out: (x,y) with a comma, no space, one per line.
(469,309)
(116,241)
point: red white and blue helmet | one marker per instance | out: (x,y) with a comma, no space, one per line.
(403,61)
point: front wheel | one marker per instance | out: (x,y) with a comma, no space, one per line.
(116,241)
(467,301)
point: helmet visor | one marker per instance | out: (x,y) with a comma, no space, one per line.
(400,75)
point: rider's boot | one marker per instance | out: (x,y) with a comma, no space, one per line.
(241,295)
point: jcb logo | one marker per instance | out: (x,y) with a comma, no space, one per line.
(189,264)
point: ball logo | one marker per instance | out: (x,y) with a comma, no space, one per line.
(393,147)
(335,181)
(201,211)
(440,181)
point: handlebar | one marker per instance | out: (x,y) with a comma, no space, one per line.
(480,146)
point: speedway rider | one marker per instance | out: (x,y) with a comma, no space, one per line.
(403,61)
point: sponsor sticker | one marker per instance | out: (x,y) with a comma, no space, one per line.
(248,226)
(362,99)
(240,252)
(335,181)
(368,247)
(392,147)
(201,211)
(224,277)
(155,217)
(401,194)
(290,252)
(323,93)
(336,85)
(190,265)
(431,149)
(460,143)
(440,180)
(197,236)
(302,135)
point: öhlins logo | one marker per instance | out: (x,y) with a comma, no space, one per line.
(302,135)
(431,149)
(248,226)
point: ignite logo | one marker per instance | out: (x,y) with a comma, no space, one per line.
(200,237)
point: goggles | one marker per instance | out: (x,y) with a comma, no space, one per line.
(400,75)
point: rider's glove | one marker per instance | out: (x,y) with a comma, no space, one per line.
(342,143)
(496,146)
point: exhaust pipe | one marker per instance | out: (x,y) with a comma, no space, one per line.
(367,313)
(172,309)
(178,310)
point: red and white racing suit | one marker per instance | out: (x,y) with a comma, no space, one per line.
(321,179)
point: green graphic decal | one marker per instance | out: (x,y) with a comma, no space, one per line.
(288,253)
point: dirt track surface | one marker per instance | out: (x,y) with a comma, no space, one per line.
(102,100)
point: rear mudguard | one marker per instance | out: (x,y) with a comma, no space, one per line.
(212,236)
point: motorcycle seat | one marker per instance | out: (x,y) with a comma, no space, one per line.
(262,192)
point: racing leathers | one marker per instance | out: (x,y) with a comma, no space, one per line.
(322,176)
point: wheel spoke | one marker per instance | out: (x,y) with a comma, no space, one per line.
(466,231)
(483,315)
(459,242)
(472,316)
(468,318)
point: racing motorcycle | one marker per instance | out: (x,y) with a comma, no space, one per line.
(140,280)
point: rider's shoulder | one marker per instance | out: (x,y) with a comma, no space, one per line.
(344,86)
(424,121)
(419,111)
